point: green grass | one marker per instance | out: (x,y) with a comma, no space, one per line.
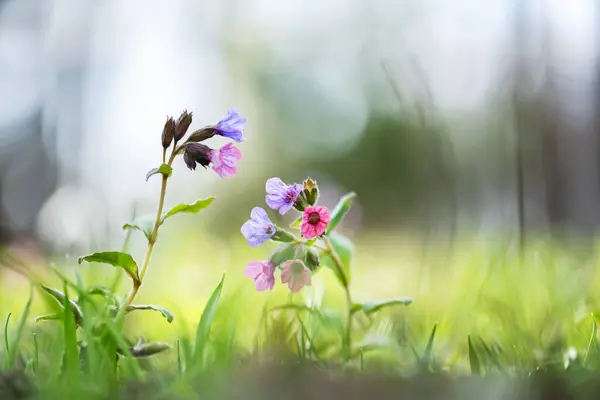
(480,309)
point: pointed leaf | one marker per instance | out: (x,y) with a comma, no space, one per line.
(340,211)
(427,356)
(60,299)
(374,306)
(20,327)
(296,223)
(48,317)
(71,366)
(149,349)
(144,224)
(206,319)
(473,359)
(164,169)
(116,259)
(345,250)
(188,208)
(6,345)
(165,313)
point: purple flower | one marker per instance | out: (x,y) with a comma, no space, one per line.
(222,161)
(281,196)
(259,228)
(232,125)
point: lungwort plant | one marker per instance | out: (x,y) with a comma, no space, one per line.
(103,328)
(302,253)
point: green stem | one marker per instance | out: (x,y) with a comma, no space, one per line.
(153,236)
(340,268)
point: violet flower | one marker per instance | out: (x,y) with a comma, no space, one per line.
(222,161)
(259,228)
(281,196)
(232,125)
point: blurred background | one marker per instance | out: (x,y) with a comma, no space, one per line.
(448,119)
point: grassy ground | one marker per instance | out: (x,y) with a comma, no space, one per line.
(486,322)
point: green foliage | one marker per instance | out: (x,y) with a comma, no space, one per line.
(371,307)
(193,208)
(340,211)
(116,259)
(164,169)
(165,313)
(345,250)
(204,325)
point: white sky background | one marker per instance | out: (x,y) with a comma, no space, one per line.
(147,59)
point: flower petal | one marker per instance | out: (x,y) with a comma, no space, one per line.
(253,269)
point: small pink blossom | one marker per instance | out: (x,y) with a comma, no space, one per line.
(263,274)
(314,221)
(223,160)
(295,274)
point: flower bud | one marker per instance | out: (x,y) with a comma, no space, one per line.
(312,260)
(282,236)
(168,132)
(149,349)
(308,196)
(311,191)
(196,153)
(202,134)
(183,123)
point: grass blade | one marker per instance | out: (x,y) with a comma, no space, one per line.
(6,346)
(206,319)
(592,344)
(20,328)
(428,350)
(71,367)
(473,359)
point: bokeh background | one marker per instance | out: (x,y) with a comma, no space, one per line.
(454,122)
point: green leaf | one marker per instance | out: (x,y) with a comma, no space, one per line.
(296,223)
(20,328)
(6,346)
(345,250)
(340,211)
(188,208)
(164,169)
(116,259)
(48,317)
(427,356)
(149,349)
(473,359)
(144,224)
(373,306)
(593,342)
(206,319)
(165,313)
(106,293)
(283,253)
(60,299)
(71,366)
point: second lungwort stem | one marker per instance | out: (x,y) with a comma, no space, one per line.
(340,268)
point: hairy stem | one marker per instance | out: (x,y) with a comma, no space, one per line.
(340,268)
(153,236)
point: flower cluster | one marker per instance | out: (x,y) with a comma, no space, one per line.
(259,229)
(222,161)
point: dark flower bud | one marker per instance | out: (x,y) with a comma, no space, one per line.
(168,132)
(196,153)
(202,134)
(183,123)
(312,260)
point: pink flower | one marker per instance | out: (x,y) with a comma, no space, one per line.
(263,274)
(223,160)
(314,221)
(295,274)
